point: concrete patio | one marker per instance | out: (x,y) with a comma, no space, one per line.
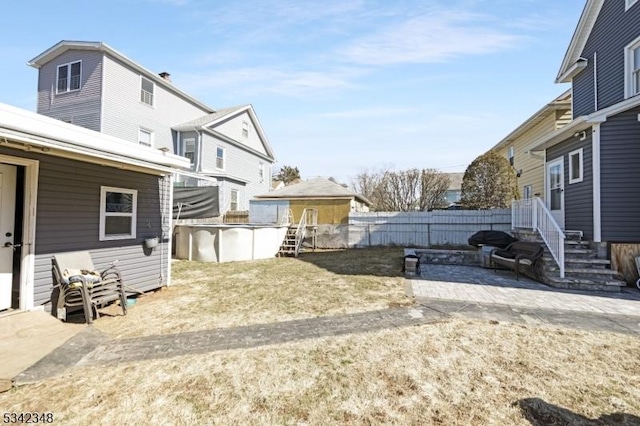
(478,285)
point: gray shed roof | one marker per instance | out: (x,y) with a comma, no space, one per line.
(209,118)
(314,188)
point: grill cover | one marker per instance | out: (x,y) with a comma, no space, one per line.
(498,239)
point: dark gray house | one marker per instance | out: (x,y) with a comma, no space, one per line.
(95,86)
(592,165)
(64,188)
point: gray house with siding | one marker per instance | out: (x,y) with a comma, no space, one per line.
(592,165)
(59,184)
(94,86)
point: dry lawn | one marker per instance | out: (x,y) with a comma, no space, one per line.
(216,295)
(457,372)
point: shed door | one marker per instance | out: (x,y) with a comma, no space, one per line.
(555,190)
(7,219)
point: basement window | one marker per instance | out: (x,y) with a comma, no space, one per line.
(118,213)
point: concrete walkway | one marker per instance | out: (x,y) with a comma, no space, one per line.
(442,292)
(26,337)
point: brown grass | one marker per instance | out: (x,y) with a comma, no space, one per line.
(457,372)
(215,295)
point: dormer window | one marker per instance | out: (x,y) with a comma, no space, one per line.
(146,91)
(68,78)
(632,69)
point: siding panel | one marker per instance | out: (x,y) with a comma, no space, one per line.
(68,220)
(578,197)
(620,177)
(80,107)
(124,114)
(614,29)
(239,163)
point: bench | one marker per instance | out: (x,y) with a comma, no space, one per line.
(517,255)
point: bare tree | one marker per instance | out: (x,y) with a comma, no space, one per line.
(433,186)
(406,190)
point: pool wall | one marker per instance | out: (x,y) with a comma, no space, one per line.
(228,243)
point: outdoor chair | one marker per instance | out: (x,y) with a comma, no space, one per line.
(517,256)
(81,285)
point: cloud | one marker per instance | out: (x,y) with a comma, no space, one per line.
(436,36)
(374,112)
(261,80)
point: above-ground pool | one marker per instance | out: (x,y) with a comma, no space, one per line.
(228,243)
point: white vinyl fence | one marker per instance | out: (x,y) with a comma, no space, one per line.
(424,229)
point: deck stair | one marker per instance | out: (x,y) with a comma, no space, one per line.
(288,246)
(584,269)
(296,233)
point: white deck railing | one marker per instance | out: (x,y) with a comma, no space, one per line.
(533,214)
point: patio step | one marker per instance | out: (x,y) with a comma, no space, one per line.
(576,263)
(583,269)
(612,285)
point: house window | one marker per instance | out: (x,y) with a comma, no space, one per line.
(630,3)
(118,208)
(632,69)
(235,196)
(261,172)
(68,78)
(245,129)
(189,149)
(146,91)
(575,166)
(220,158)
(527,192)
(510,156)
(145,137)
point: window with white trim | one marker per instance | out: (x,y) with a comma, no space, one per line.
(145,137)
(261,172)
(629,3)
(527,192)
(235,200)
(245,129)
(632,69)
(510,156)
(189,149)
(575,166)
(220,158)
(68,77)
(118,213)
(147,88)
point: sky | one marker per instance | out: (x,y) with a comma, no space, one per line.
(340,87)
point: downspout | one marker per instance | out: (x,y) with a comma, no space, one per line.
(597,214)
(104,63)
(595,80)
(168,230)
(199,153)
